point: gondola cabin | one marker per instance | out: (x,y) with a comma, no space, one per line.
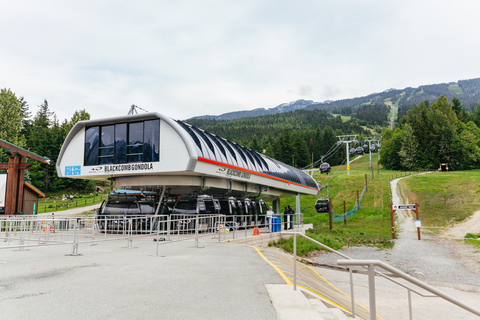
(325,168)
(322,205)
(359,151)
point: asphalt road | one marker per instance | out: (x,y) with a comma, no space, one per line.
(109,281)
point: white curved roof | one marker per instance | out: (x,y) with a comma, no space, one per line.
(185,151)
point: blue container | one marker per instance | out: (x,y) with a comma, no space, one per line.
(276,223)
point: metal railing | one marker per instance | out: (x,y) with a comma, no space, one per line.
(30,231)
(371,285)
(369,264)
(20,232)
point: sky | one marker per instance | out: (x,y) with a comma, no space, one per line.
(196,57)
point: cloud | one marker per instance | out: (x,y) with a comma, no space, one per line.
(330,92)
(305,90)
(189,58)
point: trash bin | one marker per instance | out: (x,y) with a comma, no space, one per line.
(276,223)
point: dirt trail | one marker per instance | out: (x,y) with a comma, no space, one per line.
(405,218)
(459,230)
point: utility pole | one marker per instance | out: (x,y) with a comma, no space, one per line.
(347,139)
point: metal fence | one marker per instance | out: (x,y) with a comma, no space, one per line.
(43,230)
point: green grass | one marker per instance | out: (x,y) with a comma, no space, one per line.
(445,198)
(398,100)
(344,118)
(369,226)
(55,203)
(455,89)
(473,239)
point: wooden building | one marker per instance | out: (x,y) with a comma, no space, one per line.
(30,198)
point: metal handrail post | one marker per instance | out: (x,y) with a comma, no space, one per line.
(75,239)
(218,225)
(245,224)
(295,261)
(9,231)
(158,236)
(169,221)
(129,238)
(409,279)
(352,292)
(371,291)
(410,304)
(22,228)
(234,225)
(196,232)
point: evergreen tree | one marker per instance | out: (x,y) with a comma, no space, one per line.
(255,145)
(10,120)
(391,146)
(302,156)
(408,151)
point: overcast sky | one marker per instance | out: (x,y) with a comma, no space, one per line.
(189,58)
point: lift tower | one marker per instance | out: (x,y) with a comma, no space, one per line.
(348,139)
(370,140)
(16,170)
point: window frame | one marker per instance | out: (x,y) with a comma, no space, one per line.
(93,154)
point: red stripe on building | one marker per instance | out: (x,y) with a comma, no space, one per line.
(252,172)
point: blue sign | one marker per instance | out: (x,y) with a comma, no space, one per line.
(73,170)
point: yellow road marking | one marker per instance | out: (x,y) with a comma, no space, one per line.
(311,280)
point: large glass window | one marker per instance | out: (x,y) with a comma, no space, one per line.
(122,143)
(135,142)
(150,140)
(107,144)
(91,146)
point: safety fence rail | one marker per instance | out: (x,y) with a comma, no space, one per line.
(29,231)
(369,265)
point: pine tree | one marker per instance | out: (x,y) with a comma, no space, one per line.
(408,152)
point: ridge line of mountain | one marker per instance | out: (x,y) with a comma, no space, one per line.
(468,91)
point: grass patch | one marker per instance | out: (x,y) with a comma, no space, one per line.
(473,239)
(369,226)
(344,118)
(445,198)
(455,89)
(54,203)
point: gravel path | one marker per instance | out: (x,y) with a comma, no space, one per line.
(436,261)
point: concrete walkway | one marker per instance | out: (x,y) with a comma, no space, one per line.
(213,281)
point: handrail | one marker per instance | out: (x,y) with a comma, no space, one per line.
(347,257)
(372,263)
(372,272)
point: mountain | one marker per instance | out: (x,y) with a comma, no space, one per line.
(284,107)
(467,91)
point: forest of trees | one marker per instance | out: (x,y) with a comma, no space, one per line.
(376,114)
(428,134)
(293,137)
(434,133)
(40,133)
